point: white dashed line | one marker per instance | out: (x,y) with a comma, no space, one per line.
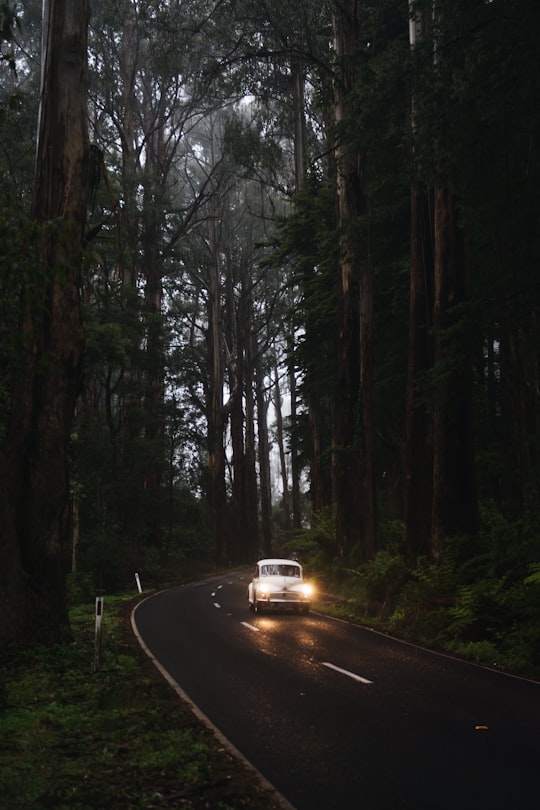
(346,672)
(251,627)
(217,605)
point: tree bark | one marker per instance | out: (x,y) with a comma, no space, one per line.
(440,476)
(216,416)
(35,492)
(238,417)
(454,481)
(251,517)
(277,401)
(262,401)
(295,462)
(419,433)
(154,392)
(354,470)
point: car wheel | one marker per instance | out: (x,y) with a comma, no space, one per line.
(258,607)
(251,607)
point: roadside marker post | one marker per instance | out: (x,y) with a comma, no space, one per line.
(138,581)
(97,639)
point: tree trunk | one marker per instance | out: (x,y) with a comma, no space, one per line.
(440,457)
(454,485)
(419,434)
(154,429)
(237,428)
(280,438)
(251,515)
(368,499)
(299,123)
(295,464)
(216,416)
(319,487)
(354,470)
(129,506)
(35,494)
(264,461)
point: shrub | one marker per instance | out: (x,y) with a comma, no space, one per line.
(80,588)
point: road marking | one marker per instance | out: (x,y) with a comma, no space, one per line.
(346,672)
(217,605)
(251,626)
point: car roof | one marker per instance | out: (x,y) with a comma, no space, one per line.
(277,561)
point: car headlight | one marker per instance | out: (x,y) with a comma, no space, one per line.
(307,590)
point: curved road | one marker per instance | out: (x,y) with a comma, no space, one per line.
(336,716)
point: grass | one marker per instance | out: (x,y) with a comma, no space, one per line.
(118,738)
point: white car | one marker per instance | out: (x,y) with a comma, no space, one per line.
(279,583)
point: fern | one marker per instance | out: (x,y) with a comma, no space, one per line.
(534,576)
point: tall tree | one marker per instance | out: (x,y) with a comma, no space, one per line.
(35,459)
(149,93)
(354,470)
(440,446)
(419,433)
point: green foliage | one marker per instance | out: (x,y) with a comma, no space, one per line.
(307,242)
(384,576)
(534,576)
(245,145)
(371,588)
(315,546)
(80,588)
(8,20)
(481,602)
(116,738)
(481,652)
(8,24)
(476,120)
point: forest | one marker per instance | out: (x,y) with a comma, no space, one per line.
(268,286)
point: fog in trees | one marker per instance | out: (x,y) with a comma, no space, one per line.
(293,307)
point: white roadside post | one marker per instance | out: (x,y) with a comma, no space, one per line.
(97,640)
(138,581)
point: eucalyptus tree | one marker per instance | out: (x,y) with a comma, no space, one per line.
(20,36)
(279,53)
(336,232)
(419,445)
(218,299)
(354,454)
(35,469)
(255,54)
(349,236)
(473,306)
(499,206)
(453,456)
(150,88)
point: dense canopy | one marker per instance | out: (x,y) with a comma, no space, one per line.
(269,284)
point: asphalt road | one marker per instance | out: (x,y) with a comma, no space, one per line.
(336,716)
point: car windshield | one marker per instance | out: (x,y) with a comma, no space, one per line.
(280,570)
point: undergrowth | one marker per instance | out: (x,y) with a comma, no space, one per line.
(117,738)
(481,602)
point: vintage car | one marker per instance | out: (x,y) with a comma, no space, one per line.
(279,583)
